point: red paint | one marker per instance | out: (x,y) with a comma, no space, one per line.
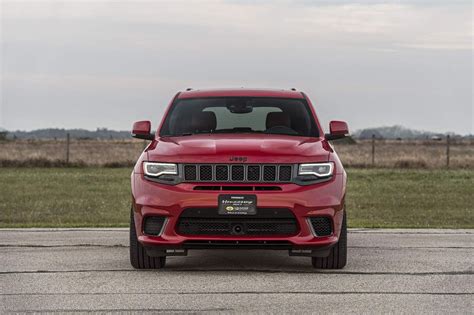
(337,128)
(142,130)
(259,148)
(319,199)
(324,199)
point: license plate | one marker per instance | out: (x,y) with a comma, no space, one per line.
(237,204)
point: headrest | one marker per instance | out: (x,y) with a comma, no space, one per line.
(204,121)
(278,119)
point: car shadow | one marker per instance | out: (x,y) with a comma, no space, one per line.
(239,260)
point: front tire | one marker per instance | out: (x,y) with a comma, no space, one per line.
(337,258)
(138,257)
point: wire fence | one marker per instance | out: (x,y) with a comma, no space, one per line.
(430,154)
(439,153)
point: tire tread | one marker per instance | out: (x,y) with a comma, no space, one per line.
(337,257)
(138,257)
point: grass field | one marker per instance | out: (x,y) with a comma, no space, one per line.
(100,197)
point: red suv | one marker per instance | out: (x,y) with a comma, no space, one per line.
(243,169)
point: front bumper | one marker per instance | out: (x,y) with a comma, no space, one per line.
(154,199)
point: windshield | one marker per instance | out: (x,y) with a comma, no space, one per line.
(240,115)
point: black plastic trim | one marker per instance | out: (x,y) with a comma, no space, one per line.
(330,137)
(237,245)
(149,136)
(310,180)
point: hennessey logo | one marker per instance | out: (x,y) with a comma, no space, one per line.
(238,159)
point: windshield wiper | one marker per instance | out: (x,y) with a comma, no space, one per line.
(180,134)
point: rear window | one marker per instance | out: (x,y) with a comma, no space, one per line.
(240,115)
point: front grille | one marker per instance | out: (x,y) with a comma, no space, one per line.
(321,226)
(235,226)
(237,173)
(206,221)
(253,173)
(222,173)
(190,172)
(205,172)
(285,173)
(153,225)
(269,173)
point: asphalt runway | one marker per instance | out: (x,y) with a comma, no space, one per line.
(84,270)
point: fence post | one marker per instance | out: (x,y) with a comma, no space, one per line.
(373,150)
(67,148)
(447,150)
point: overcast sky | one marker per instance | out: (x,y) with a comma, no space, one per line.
(78,64)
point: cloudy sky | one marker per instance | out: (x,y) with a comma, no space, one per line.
(89,64)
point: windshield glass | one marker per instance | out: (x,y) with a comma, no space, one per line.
(240,115)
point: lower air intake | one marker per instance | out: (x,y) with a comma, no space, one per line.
(153,225)
(234,226)
(321,226)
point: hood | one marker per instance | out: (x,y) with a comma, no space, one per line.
(235,148)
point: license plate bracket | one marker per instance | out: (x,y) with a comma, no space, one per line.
(237,204)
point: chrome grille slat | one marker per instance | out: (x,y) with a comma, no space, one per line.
(239,173)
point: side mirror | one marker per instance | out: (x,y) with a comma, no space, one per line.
(337,130)
(142,130)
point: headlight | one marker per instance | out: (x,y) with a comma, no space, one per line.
(157,169)
(316,169)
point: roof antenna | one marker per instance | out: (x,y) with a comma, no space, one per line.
(189,89)
(293,89)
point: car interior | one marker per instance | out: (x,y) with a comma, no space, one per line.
(261,116)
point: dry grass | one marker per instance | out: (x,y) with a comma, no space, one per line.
(108,153)
(118,153)
(406,154)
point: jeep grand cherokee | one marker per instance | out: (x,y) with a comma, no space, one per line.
(240,169)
